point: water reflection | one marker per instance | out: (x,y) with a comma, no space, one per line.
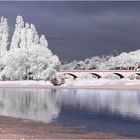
(35,104)
(47,104)
(125,103)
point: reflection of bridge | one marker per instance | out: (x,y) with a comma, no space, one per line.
(98,73)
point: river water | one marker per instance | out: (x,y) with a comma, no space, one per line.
(92,110)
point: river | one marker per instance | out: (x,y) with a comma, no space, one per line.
(92,110)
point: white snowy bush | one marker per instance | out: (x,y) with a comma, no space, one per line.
(28,57)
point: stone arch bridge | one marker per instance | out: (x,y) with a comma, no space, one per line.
(98,73)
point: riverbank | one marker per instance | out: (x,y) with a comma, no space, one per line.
(13,128)
(79,83)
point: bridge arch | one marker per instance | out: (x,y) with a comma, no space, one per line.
(74,76)
(95,74)
(138,74)
(118,74)
(135,76)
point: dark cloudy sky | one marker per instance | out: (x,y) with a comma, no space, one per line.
(76,30)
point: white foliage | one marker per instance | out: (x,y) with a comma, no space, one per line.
(16,38)
(29,56)
(4,34)
(43,41)
(88,64)
(33,63)
(23,38)
(125,60)
(122,61)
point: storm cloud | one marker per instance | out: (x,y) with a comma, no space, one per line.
(76,30)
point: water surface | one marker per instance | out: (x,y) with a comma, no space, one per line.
(92,110)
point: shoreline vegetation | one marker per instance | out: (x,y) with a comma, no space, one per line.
(95,84)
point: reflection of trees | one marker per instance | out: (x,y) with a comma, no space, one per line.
(37,104)
(44,104)
(123,102)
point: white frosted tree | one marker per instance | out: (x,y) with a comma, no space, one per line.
(42,63)
(29,56)
(1,30)
(16,38)
(24,36)
(4,34)
(15,62)
(43,41)
(30,33)
(35,39)
(37,63)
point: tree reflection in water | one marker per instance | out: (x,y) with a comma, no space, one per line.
(34,104)
(46,104)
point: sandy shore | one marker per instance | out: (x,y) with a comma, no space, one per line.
(24,129)
(103,86)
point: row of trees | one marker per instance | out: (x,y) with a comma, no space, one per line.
(87,64)
(129,60)
(27,56)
